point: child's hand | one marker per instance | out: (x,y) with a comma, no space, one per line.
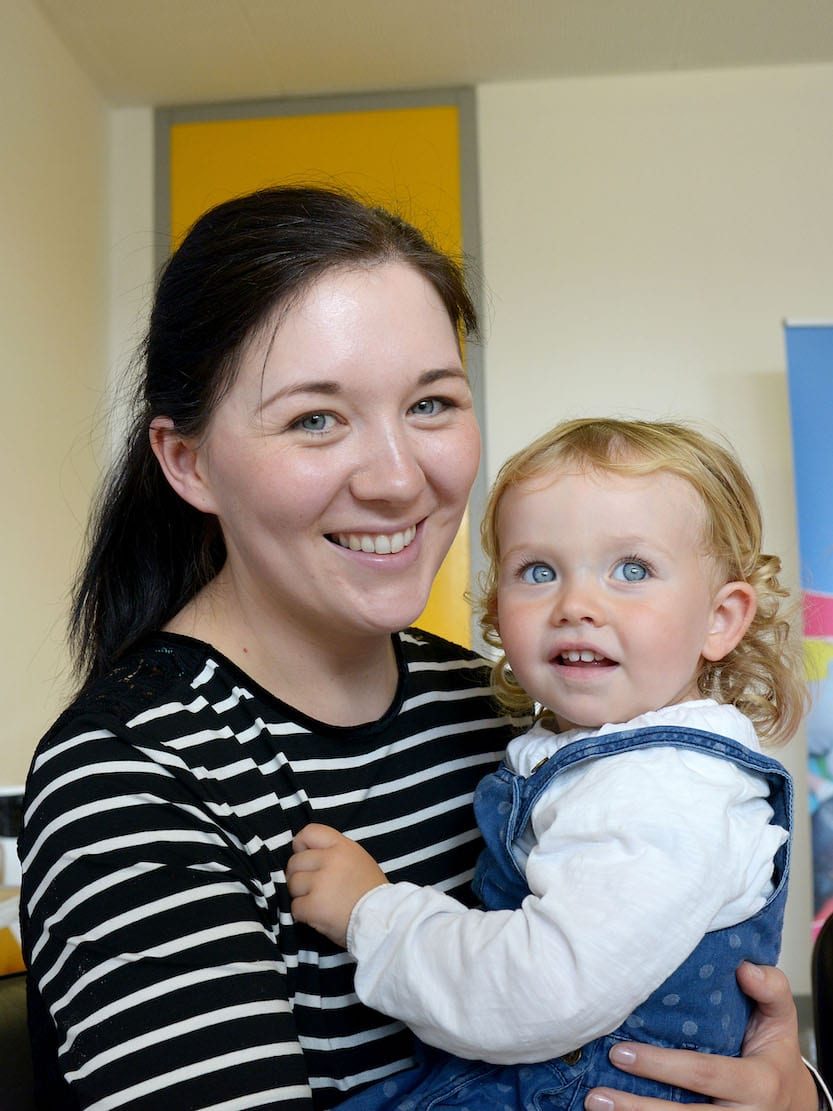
(327,876)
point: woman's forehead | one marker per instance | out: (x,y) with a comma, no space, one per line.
(348,327)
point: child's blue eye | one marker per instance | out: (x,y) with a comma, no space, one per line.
(631,570)
(537,573)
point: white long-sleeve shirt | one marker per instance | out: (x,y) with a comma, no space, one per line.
(633,858)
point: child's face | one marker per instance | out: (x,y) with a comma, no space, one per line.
(606,598)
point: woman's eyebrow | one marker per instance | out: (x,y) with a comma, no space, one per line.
(329,388)
(428,377)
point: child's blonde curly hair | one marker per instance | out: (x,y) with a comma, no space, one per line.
(763,675)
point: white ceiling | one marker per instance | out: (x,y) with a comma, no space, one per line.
(170,52)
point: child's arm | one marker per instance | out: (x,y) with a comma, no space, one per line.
(326,876)
(621,893)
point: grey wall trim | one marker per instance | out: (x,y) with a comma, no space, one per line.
(806,1033)
(464,100)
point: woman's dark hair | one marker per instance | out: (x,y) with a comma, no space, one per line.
(148,551)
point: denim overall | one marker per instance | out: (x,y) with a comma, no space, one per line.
(699,1006)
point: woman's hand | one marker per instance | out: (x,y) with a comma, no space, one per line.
(769,1076)
(326,877)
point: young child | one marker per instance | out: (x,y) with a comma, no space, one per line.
(637,840)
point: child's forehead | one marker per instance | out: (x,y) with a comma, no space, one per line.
(624,471)
(658,486)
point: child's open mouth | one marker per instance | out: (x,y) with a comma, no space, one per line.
(583,657)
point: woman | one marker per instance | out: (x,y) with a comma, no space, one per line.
(301,458)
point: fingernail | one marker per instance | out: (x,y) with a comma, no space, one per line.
(754,970)
(598,1103)
(623,1055)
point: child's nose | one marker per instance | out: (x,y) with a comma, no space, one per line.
(578,603)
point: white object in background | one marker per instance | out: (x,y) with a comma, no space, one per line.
(10,807)
(9,863)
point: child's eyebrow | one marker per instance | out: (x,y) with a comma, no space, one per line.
(628,544)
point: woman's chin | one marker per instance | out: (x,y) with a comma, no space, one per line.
(396,617)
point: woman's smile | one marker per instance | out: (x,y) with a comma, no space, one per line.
(376,543)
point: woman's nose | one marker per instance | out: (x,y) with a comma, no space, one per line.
(388,469)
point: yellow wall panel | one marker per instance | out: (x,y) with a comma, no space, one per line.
(406,159)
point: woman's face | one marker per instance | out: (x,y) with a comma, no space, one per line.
(340,461)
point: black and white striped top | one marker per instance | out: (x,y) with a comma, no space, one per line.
(156,925)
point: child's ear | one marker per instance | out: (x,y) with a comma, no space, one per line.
(493,612)
(733,609)
(179,458)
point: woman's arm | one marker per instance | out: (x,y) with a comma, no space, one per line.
(147,942)
(769,1076)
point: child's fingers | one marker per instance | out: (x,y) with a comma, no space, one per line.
(298,885)
(306,861)
(302,873)
(302,910)
(315,836)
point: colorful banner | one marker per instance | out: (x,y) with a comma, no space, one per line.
(810,377)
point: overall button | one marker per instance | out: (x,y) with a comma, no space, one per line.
(572,1058)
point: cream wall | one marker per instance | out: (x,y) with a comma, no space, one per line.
(53,321)
(643,239)
(131,252)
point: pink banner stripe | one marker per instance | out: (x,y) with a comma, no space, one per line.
(818,614)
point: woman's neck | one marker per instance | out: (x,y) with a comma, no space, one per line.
(335,681)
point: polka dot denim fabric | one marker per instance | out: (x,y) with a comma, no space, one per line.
(699,1006)
(440,1082)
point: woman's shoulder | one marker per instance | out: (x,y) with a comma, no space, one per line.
(421,645)
(431,661)
(160,669)
(453,681)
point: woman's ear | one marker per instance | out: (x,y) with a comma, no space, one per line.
(733,609)
(180,459)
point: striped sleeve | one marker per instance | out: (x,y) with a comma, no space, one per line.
(152,945)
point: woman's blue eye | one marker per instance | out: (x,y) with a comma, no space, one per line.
(316,422)
(631,570)
(538,573)
(428,407)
